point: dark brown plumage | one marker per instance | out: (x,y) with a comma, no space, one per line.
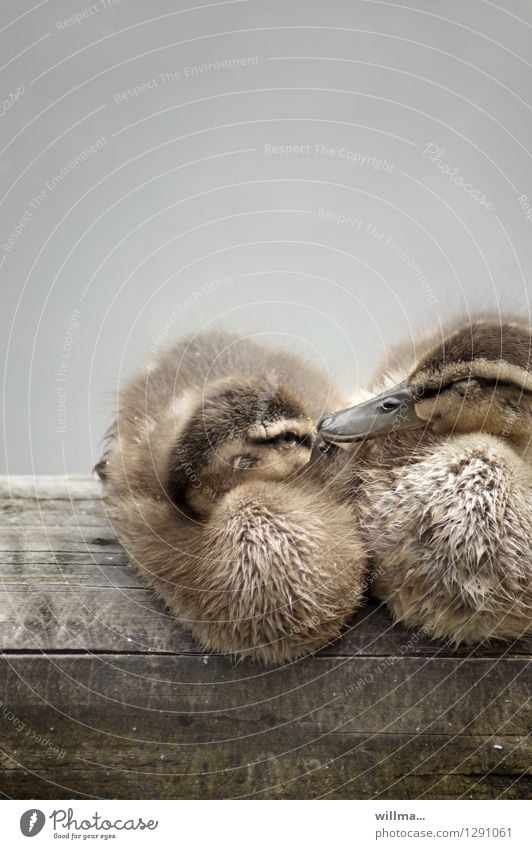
(489,346)
(207,478)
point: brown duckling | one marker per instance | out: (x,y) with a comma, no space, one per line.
(207,479)
(446,479)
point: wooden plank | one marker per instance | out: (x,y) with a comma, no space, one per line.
(51,540)
(44,514)
(87,611)
(136,709)
(87,619)
(340,766)
(178,727)
(66,569)
(404,696)
(46,487)
(100,557)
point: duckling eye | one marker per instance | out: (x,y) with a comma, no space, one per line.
(465,385)
(390,404)
(288,438)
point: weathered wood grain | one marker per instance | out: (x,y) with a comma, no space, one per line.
(46,487)
(186,727)
(339,766)
(90,612)
(94,666)
(404,695)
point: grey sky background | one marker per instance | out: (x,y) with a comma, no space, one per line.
(333,175)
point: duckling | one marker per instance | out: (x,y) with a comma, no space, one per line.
(207,478)
(447,481)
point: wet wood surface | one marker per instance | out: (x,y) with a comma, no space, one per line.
(103,695)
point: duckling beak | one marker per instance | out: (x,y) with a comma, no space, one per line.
(394,409)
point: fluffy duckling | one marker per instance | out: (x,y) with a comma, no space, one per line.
(207,479)
(447,480)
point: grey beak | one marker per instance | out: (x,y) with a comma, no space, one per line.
(392,410)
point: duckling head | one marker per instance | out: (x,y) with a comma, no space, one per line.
(476,378)
(239,431)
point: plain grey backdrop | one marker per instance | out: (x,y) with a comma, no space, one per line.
(332,174)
